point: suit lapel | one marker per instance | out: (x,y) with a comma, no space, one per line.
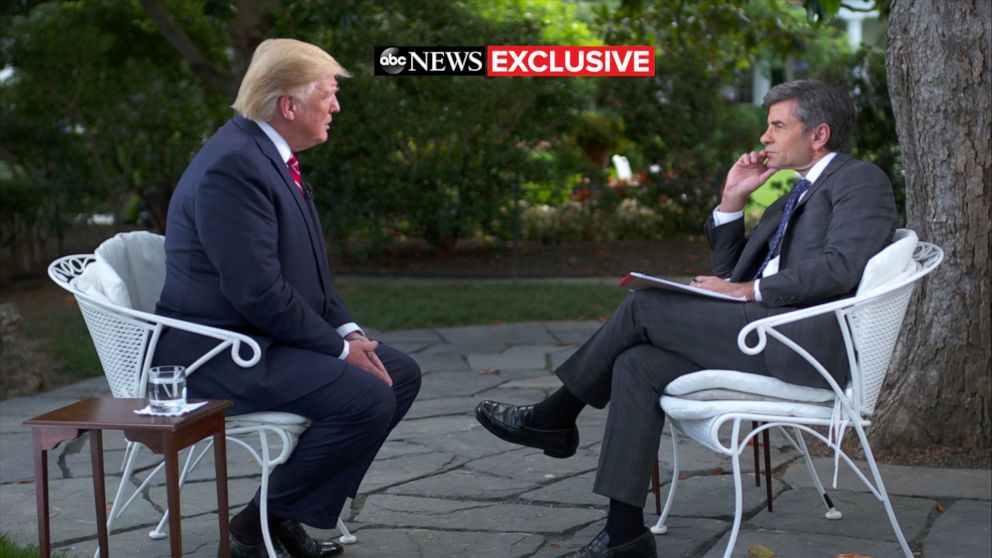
(838,161)
(309,218)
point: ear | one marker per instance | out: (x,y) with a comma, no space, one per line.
(820,136)
(286,106)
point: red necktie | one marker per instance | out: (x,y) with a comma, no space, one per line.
(294,171)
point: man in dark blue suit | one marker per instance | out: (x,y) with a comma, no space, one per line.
(245,252)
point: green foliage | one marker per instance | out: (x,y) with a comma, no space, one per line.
(437,158)
(120,112)
(98,100)
(863,74)
(407,305)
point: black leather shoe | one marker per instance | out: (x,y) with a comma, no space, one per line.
(238,549)
(641,547)
(301,545)
(510,422)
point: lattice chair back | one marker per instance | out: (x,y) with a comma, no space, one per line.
(875,325)
(120,340)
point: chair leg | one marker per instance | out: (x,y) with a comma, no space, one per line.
(660,528)
(757,460)
(768,468)
(116,508)
(263,495)
(346,536)
(832,512)
(738,490)
(656,487)
(159,533)
(880,487)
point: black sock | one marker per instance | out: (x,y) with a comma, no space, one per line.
(247,525)
(559,410)
(624,523)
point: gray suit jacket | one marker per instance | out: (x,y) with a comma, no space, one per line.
(846,217)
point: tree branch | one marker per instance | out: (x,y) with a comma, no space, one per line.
(187,49)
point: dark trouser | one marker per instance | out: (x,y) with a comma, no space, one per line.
(652,338)
(351,418)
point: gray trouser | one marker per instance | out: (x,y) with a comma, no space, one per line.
(652,338)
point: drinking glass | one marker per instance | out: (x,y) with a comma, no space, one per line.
(167,388)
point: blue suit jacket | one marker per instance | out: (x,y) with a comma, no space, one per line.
(245,252)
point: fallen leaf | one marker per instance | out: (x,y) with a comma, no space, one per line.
(718,470)
(941,508)
(488,371)
(851,555)
(759,551)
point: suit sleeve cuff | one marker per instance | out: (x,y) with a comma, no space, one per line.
(722,218)
(345,330)
(349,328)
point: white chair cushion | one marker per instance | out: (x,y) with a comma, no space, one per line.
(682,409)
(294,424)
(100,281)
(138,260)
(894,262)
(734,385)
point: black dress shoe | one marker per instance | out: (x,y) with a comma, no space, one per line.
(238,549)
(641,547)
(511,423)
(299,544)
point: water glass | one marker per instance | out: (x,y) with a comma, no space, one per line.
(167,388)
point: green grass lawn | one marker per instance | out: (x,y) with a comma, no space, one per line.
(51,318)
(410,305)
(10,550)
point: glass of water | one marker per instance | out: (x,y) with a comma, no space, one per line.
(167,388)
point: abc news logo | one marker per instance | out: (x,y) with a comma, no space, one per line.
(426,61)
(516,61)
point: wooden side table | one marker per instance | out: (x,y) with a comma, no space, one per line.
(165,435)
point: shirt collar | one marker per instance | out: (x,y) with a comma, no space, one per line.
(282,146)
(816,170)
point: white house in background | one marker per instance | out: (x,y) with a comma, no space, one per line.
(863,25)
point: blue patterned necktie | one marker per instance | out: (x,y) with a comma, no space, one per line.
(776,241)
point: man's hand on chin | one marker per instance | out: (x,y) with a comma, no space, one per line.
(722,286)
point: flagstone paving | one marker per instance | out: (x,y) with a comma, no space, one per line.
(443,486)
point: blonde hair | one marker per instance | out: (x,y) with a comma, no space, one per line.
(281,67)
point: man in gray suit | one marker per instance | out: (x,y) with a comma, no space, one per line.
(809,247)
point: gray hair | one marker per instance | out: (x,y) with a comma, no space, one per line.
(817,103)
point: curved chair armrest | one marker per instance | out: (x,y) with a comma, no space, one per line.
(926,254)
(927,251)
(228,338)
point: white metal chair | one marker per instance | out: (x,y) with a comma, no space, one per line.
(116,289)
(699,404)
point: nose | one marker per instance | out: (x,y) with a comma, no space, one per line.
(335,105)
(766,138)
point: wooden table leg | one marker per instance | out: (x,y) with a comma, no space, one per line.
(220,470)
(99,491)
(41,493)
(172,498)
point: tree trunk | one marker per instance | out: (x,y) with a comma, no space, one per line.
(938,66)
